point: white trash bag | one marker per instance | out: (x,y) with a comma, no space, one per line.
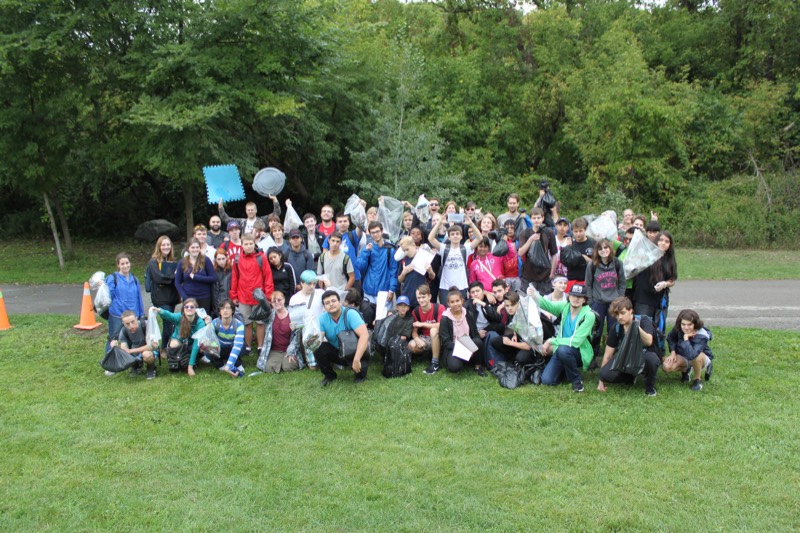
(356,211)
(527,323)
(153,329)
(292,220)
(603,227)
(421,209)
(102,301)
(97,279)
(390,215)
(641,254)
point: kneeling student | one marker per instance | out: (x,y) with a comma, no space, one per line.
(621,309)
(688,347)
(133,339)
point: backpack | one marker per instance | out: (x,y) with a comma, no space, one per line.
(462,249)
(178,357)
(397,361)
(438,310)
(259,260)
(345,262)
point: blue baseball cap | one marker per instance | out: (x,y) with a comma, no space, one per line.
(403,300)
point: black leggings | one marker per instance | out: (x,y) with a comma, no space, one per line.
(454,364)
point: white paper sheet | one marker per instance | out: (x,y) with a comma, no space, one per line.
(464,348)
(381,307)
(422,261)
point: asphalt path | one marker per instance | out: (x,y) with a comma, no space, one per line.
(771,304)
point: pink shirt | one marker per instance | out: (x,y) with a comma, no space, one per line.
(486,270)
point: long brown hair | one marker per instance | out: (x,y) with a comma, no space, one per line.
(596,252)
(187,263)
(218,253)
(185,328)
(157,255)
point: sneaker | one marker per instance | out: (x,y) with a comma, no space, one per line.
(480,371)
(709,370)
(136,370)
(577,387)
(109,373)
(432,368)
(536,378)
(650,391)
(360,378)
(327,381)
(151,373)
(684,376)
(697,385)
(206,360)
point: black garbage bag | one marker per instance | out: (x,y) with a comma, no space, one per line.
(117,360)
(511,375)
(263,310)
(629,358)
(571,257)
(501,248)
(537,256)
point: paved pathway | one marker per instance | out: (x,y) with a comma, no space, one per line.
(761,304)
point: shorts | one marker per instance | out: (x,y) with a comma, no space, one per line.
(278,362)
(425,341)
(245,310)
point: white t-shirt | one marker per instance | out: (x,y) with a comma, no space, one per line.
(454,271)
(298,306)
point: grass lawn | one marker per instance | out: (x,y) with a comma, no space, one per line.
(420,453)
(35,262)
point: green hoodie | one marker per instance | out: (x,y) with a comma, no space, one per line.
(583,331)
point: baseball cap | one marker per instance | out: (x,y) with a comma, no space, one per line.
(295,233)
(234,224)
(564,220)
(403,300)
(578,290)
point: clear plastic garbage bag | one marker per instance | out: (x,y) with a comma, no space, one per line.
(390,215)
(356,211)
(292,220)
(153,329)
(207,340)
(641,254)
(603,227)
(527,323)
(102,301)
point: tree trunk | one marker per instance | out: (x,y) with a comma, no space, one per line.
(54,229)
(188,205)
(64,225)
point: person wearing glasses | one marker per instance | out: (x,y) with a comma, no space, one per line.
(377,265)
(605,281)
(182,349)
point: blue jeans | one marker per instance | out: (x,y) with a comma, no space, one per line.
(564,363)
(602,310)
(114,327)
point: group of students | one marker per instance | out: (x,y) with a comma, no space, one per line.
(472,288)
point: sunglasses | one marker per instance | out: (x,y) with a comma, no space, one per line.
(189,307)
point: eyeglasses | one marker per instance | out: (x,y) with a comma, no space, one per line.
(189,307)
(433,204)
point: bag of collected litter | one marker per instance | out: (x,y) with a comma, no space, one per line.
(629,358)
(97,279)
(390,215)
(511,375)
(641,254)
(153,329)
(102,301)
(261,311)
(356,211)
(207,340)
(421,209)
(501,248)
(527,323)
(312,335)
(117,360)
(537,256)
(603,227)
(292,220)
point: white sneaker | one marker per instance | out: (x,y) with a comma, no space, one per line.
(206,360)
(109,373)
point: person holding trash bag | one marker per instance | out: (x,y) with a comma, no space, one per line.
(572,348)
(629,348)
(688,349)
(126,295)
(651,286)
(133,339)
(161,271)
(250,272)
(195,277)
(182,349)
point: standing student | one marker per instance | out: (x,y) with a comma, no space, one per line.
(485,267)
(513,210)
(409,278)
(233,246)
(453,271)
(250,272)
(336,265)
(377,265)
(605,281)
(250,208)
(224,272)
(195,277)
(201,234)
(576,270)
(538,275)
(311,237)
(161,271)
(651,286)
(126,295)
(215,234)
(326,226)
(300,258)
(284,277)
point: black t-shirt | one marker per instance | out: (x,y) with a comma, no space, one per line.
(617,333)
(550,246)
(578,273)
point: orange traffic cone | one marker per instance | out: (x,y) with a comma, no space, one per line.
(4,323)
(88,321)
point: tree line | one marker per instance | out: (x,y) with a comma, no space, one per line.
(111,109)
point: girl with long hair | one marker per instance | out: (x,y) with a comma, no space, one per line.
(123,287)
(222,287)
(652,285)
(195,278)
(182,348)
(605,281)
(161,272)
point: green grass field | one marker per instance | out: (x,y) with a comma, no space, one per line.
(35,262)
(419,453)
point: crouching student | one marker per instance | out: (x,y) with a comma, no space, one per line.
(506,345)
(457,323)
(621,309)
(688,349)
(572,348)
(274,357)
(425,332)
(399,333)
(133,339)
(334,320)
(230,332)
(182,349)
